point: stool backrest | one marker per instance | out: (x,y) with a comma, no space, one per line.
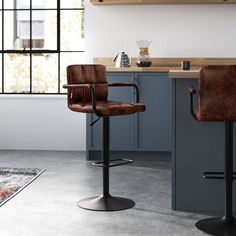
(87,74)
(217,93)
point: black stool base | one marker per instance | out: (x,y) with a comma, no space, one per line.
(109,203)
(217,226)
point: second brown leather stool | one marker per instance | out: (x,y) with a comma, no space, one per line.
(217,102)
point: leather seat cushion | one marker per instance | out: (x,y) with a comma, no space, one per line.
(108,108)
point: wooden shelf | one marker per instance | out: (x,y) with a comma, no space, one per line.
(155,2)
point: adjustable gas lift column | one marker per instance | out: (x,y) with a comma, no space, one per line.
(106,202)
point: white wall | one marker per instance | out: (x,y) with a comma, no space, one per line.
(175,31)
(40,123)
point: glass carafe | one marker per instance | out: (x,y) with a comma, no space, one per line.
(144,59)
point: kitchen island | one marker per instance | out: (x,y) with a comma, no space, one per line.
(197,147)
(166,129)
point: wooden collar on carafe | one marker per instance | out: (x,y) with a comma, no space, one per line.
(143,51)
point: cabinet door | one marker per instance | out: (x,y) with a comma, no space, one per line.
(153,127)
(121,127)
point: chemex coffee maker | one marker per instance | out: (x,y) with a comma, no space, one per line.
(144,59)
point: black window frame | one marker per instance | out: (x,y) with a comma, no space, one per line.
(31,51)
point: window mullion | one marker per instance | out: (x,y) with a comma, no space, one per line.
(30,46)
(3,47)
(59,42)
(58,25)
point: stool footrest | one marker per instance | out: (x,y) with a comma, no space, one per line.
(216,175)
(113,163)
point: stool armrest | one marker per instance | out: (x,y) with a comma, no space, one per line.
(68,86)
(192,91)
(127,85)
(93,91)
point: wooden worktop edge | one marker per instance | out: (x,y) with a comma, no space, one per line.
(172,62)
(169,65)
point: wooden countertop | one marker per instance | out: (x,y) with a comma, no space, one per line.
(184,74)
(140,69)
(168,65)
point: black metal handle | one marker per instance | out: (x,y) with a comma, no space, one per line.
(94,99)
(192,91)
(216,175)
(137,93)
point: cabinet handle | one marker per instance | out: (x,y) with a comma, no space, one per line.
(137,131)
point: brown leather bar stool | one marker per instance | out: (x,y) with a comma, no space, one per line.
(88,92)
(217,102)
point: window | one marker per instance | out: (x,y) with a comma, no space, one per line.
(22,28)
(38,39)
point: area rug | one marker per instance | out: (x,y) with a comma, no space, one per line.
(14,180)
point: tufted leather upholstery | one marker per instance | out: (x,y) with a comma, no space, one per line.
(80,99)
(217,94)
(109,108)
(87,74)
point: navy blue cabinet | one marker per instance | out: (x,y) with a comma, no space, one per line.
(154,126)
(147,131)
(121,127)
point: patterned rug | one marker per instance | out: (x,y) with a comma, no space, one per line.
(14,180)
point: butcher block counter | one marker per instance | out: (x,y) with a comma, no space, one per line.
(169,65)
(184,74)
